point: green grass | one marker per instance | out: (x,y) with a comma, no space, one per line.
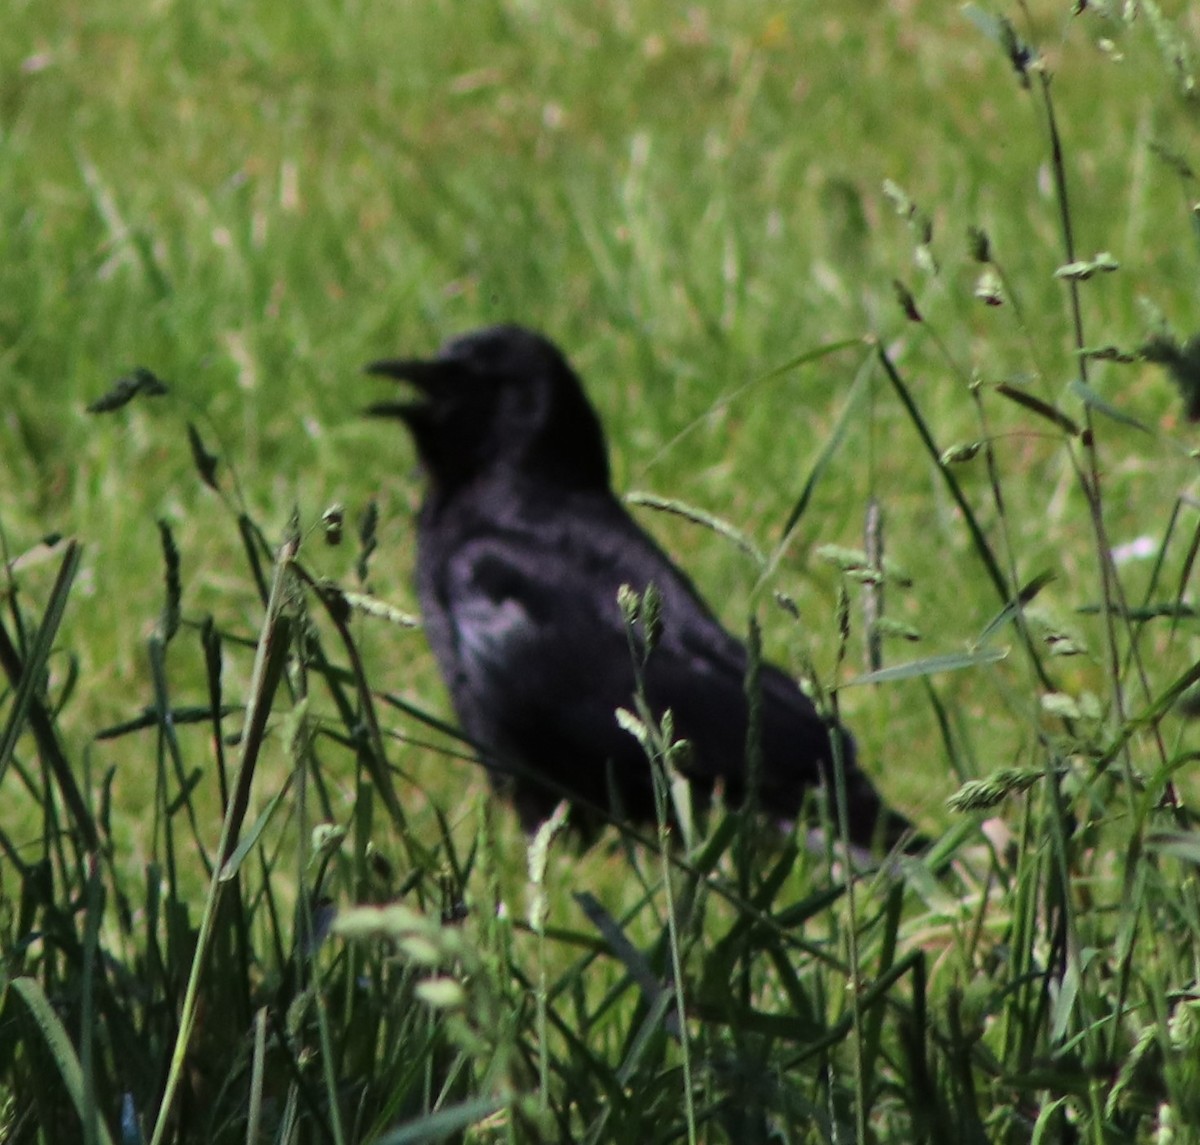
(252,202)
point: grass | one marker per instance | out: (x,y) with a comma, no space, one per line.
(253,202)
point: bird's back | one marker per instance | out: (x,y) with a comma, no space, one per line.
(519,589)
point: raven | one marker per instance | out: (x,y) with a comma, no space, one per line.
(522,549)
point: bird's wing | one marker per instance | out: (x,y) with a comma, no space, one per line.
(537,634)
(538,663)
(542,661)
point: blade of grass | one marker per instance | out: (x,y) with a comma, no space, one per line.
(931,666)
(25,679)
(832,444)
(58,1042)
(268,670)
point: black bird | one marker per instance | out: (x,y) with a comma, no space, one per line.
(522,550)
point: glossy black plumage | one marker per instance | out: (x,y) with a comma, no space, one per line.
(522,549)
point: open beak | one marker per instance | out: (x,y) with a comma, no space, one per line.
(421,372)
(422,377)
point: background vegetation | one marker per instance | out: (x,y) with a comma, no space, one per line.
(798,254)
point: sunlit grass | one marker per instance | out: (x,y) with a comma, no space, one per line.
(253,204)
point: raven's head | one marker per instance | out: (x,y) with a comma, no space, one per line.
(497,398)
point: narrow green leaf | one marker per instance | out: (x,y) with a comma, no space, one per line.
(728,399)
(1026,594)
(832,444)
(931,666)
(1042,409)
(808,357)
(445,1123)
(58,1042)
(39,652)
(1183,845)
(657,1018)
(621,946)
(269,661)
(700,517)
(247,841)
(1090,398)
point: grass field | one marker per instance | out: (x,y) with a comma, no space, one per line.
(807,260)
